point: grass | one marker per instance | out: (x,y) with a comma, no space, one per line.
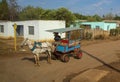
(7,47)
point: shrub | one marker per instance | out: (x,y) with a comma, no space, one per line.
(88,35)
(99,37)
(114,32)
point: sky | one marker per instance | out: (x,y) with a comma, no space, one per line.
(85,7)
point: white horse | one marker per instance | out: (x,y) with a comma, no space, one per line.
(38,48)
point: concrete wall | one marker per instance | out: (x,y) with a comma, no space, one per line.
(108,26)
(47,25)
(26,24)
(102,25)
(8,29)
(94,24)
(40,27)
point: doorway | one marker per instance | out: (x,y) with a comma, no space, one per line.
(19,30)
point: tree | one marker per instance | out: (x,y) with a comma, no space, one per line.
(4,10)
(28,13)
(79,16)
(117,17)
(97,18)
(109,16)
(49,14)
(65,14)
(32,13)
(13,9)
(39,13)
(90,18)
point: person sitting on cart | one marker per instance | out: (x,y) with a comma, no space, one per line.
(57,37)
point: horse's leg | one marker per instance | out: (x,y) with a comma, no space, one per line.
(35,59)
(49,57)
(38,60)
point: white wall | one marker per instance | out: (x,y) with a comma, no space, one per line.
(40,27)
(26,24)
(47,25)
(8,29)
(108,26)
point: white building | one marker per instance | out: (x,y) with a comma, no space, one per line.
(32,29)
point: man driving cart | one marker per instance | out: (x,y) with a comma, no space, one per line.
(57,37)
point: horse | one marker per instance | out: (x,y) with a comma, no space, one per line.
(38,48)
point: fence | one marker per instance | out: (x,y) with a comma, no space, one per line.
(95,34)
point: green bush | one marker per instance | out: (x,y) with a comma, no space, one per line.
(88,35)
(99,37)
(114,32)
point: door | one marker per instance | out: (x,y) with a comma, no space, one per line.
(19,30)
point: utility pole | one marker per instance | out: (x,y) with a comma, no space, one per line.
(15,27)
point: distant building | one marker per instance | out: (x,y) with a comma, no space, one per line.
(93,25)
(32,29)
(115,21)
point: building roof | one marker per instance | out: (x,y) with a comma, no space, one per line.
(62,30)
(112,21)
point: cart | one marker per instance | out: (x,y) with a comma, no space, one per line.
(68,46)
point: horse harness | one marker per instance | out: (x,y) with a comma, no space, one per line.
(40,46)
(35,45)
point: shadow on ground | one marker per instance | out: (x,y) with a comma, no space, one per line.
(113,67)
(33,60)
(101,61)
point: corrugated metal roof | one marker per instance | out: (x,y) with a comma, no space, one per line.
(61,30)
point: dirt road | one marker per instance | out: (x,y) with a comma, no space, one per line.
(22,69)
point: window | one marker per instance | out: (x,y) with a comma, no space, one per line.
(97,27)
(1,29)
(31,30)
(19,30)
(86,26)
(108,27)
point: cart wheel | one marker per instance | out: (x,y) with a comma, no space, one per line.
(65,58)
(79,55)
(53,56)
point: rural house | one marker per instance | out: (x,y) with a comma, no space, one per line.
(32,29)
(106,26)
(95,29)
(115,21)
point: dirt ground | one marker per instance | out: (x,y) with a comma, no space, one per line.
(17,66)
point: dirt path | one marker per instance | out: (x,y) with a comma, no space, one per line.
(22,69)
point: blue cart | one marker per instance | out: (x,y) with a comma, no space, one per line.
(68,46)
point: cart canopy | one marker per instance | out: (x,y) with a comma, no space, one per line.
(62,30)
